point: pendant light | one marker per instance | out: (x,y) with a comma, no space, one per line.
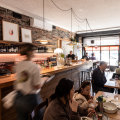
(72,43)
(44,39)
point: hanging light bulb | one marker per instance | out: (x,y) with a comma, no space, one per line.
(73,42)
(44,40)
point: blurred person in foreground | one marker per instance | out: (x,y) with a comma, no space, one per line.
(27,84)
(62,105)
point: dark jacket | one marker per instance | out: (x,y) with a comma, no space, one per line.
(71,56)
(56,110)
(98,78)
(86,57)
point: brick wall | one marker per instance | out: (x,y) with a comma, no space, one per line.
(24,22)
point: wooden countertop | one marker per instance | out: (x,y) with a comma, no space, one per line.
(56,69)
(8,80)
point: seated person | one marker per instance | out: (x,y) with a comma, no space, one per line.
(92,57)
(82,96)
(117,74)
(71,56)
(86,57)
(62,105)
(99,79)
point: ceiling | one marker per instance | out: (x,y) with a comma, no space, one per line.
(100,13)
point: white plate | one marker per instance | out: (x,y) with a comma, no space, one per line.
(109,107)
(117,103)
(86,118)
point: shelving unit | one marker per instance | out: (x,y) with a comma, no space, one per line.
(6,44)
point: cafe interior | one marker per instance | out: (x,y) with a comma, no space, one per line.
(59,60)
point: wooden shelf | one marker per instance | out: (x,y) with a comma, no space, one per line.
(21,43)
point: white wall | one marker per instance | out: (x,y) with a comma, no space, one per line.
(78,50)
(66,48)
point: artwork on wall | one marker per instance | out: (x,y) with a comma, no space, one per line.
(26,35)
(10,31)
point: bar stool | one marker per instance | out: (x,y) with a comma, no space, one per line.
(86,74)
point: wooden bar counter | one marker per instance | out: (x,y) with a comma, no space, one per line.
(70,72)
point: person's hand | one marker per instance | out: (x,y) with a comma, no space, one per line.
(91,112)
(90,100)
(73,105)
(91,97)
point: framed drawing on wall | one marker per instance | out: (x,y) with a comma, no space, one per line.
(10,31)
(26,35)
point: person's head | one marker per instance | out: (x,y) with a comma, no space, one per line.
(64,90)
(85,88)
(27,49)
(70,52)
(93,54)
(103,65)
(86,54)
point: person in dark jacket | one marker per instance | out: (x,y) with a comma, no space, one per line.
(93,56)
(86,57)
(99,79)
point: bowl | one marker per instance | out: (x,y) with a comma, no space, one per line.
(109,107)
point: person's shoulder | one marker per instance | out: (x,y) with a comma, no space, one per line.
(54,107)
(96,70)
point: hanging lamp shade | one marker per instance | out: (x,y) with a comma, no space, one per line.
(44,40)
(71,43)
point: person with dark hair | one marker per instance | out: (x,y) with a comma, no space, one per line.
(27,84)
(93,56)
(83,97)
(86,56)
(99,79)
(62,105)
(71,56)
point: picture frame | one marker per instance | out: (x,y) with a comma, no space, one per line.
(10,31)
(26,35)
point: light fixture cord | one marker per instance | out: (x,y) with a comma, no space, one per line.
(43,14)
(71,22)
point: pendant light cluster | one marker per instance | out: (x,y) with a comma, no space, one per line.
(72,39)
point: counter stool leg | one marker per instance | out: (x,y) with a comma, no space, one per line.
(79,79)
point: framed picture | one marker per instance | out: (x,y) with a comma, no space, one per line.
(10,31)
(26,35)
